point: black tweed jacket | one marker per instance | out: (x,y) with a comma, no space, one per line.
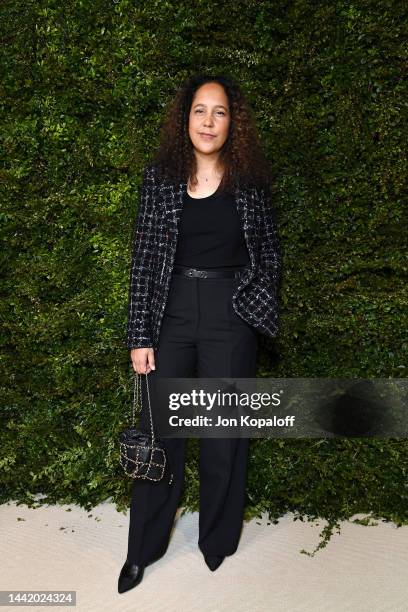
(154,249)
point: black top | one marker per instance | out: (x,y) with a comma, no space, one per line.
(210,234)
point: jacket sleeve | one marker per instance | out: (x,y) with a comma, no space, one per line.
(139,333)
(270,249)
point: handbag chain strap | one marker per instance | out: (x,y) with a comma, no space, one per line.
(137,396)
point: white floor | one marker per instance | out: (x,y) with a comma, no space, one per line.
(65,548)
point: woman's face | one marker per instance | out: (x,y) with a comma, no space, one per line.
(209,114)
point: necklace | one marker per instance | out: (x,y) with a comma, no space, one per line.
(218,176)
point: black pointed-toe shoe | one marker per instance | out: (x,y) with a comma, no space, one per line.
(213,561)
(130,576)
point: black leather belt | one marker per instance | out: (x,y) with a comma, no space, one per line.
(194,273)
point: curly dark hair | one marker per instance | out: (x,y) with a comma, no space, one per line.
(241,158)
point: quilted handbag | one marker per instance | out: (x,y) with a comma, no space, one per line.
(142,455)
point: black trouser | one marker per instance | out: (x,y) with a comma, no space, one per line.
(200,333)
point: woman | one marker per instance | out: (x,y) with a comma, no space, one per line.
(204,279)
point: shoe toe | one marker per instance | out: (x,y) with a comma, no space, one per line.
(130,576)
(213,561)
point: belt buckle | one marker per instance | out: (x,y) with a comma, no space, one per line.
(197,273)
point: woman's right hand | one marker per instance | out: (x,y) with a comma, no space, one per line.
(143,360)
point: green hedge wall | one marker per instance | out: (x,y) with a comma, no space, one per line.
(83,90)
